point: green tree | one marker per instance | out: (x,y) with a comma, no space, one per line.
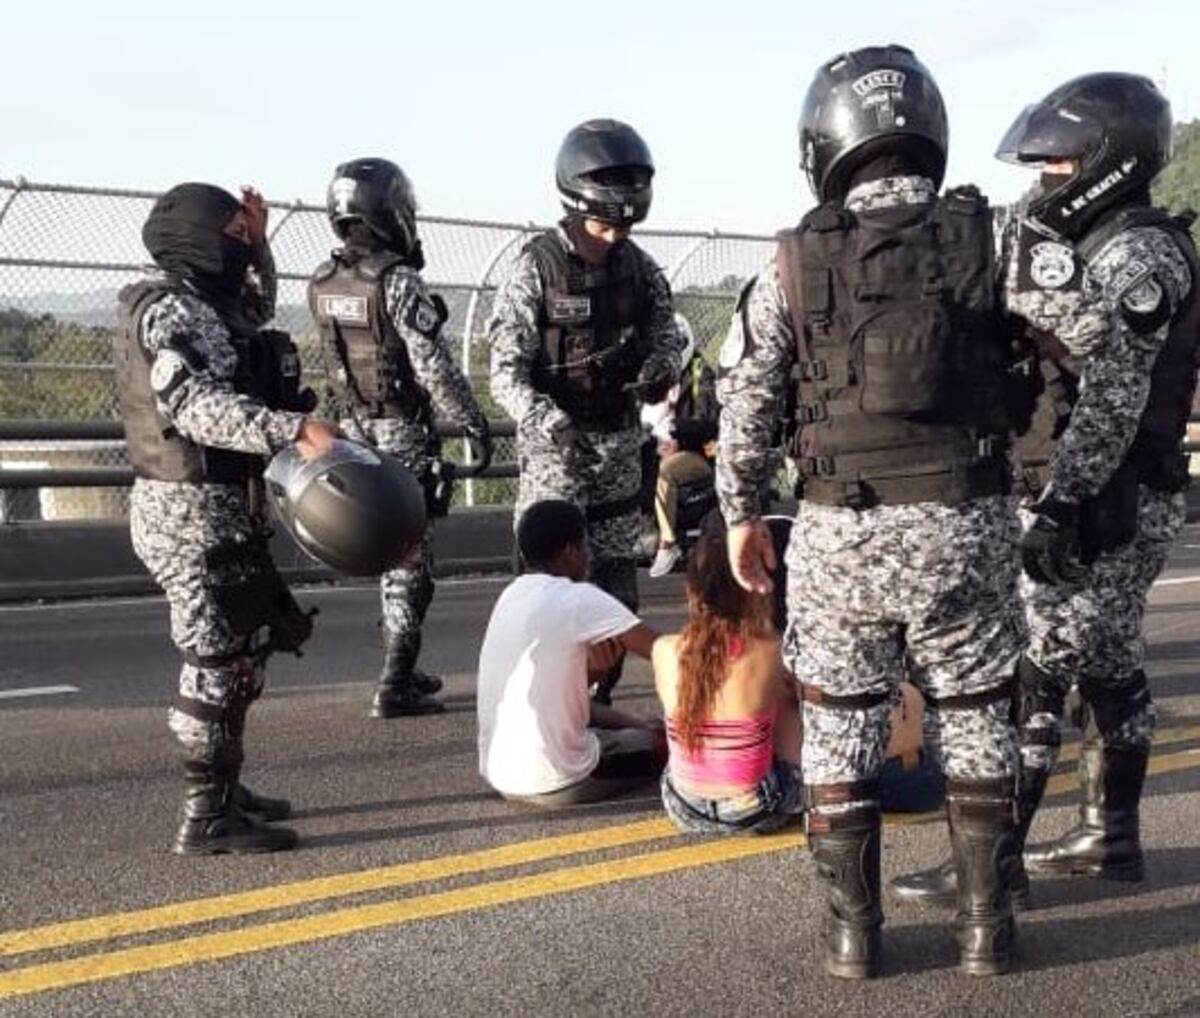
(1178,186)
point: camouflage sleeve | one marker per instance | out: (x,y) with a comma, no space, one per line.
(664,343)
(192,370)
(514,343)
(418,320)
(755,370)
(261,287)
(1140,278)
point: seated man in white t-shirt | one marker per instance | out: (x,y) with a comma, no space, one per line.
(542,740)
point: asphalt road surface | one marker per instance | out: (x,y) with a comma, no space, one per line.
(416,892)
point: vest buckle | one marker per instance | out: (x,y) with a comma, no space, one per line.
(819,466)
(811,412)
(814,371)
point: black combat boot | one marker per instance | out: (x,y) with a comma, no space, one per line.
(400,692)
(845,847)
(1106,842)
(939,884)
(982,840)
(213,825)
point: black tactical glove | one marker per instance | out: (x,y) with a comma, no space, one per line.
(578,453)
(480,437)
(1050,547)
(651,387)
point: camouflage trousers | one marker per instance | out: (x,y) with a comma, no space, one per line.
(614,485)
(405,594)
(1090,633)
(188,536)
(924,591)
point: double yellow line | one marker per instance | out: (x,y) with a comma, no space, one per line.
(221,944)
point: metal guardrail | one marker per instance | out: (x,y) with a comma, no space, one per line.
(122,477)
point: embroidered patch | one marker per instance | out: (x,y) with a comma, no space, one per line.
(1052,265)
(423,316)
(569,309)
(168,371)
(733,349)
(343,307)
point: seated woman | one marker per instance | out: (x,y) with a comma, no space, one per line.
(733,726)
(733,723)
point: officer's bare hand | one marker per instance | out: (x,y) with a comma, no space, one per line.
(315,438)
(255,209)
(752,556)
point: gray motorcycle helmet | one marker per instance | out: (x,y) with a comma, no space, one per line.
(354,509)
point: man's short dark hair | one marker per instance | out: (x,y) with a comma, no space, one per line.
(546,528)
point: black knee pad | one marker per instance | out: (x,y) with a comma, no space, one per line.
(1112,705)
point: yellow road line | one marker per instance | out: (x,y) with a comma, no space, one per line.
(342,922)
(1162,737)
(198,910)
(268,936)
(280,896)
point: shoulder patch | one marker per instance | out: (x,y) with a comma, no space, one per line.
(425,314)
(733,348)
(1129,276)
(168,371)
(1145,307)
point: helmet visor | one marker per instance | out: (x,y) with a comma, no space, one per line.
(1044,134)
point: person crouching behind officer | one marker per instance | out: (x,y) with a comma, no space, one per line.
(205,393)
(686,430)
(541,740)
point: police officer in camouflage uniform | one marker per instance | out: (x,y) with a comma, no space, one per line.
(580,329)
(389,367)
(1107,285)
(205,393)
(880,311)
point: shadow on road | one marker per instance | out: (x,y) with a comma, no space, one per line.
(519,817)
(1059,943)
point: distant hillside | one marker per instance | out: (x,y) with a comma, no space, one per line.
(1178,186)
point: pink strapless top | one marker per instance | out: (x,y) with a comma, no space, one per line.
(735,754)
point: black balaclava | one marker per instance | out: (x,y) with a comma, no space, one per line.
(184,234)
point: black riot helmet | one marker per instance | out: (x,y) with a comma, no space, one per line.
(603,171)
(1115,127)
(376,194)
(876,101)
(355,509)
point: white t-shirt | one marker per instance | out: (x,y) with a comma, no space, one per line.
(533,700)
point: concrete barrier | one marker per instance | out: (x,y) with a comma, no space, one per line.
(94,558)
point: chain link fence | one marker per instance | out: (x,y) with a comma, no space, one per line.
(65,252)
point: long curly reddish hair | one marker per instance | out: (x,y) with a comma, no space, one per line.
(720,614)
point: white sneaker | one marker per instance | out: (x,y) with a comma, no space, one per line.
(667,558)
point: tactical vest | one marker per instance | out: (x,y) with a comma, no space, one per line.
(901,361)
(592,324)
(1156,453)
(156,450)
(372,372)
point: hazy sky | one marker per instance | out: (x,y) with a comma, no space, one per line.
(473,98)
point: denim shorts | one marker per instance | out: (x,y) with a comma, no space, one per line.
(778,798)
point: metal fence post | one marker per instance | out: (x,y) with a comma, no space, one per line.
(469,330)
